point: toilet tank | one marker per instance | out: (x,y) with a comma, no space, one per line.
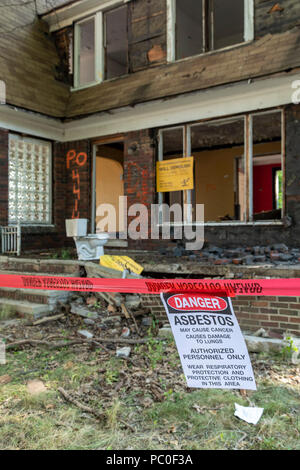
(76,227)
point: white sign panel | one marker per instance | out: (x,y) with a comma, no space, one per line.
(210,343)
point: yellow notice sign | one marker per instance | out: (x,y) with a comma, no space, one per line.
(120,263)
(175,175)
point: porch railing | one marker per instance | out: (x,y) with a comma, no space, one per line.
(11,239)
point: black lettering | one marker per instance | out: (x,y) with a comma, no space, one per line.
(199,319)
(229,321)
(206,319)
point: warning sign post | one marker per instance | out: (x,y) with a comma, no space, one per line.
(209,340)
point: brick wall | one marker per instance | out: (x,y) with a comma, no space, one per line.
(3,176)
(139,177)
(78,162)
(277,315)
(71,196)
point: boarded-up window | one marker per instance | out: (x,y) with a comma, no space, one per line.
(116,36)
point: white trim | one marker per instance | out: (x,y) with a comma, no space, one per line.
(99,48)
(249,20)
(206,104)
(171,33)
(67,15)
(34,124)
(98,52)
(186,108)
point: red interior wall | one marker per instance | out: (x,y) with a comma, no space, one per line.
(263,187)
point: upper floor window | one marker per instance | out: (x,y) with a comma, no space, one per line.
(101,47)
(198,26)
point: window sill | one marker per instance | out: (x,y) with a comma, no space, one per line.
(27,229)
(216,51)
(90,85)
(227,223)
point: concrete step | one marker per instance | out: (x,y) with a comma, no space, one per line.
(46,297)
(29,273)
(30,310)
(41,266)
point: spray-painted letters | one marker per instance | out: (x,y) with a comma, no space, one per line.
(77,160)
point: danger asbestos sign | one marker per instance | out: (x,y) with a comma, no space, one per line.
(210,343)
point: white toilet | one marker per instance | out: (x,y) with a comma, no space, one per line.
(89,247)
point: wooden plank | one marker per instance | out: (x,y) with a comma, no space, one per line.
(197,73)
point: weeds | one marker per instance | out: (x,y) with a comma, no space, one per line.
(289,348)
(181,419)
(7,312)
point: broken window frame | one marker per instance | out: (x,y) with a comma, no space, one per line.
(161,196)
(171,29)
(100,41)
(41,144)
(248,161)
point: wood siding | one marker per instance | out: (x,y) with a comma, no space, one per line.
(267,56)
(272,17)
(29,63)
(34,65)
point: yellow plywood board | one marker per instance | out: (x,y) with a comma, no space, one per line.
(175,175)
(120,263)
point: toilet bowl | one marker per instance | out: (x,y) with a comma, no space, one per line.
(89,246)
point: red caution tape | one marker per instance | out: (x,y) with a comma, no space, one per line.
(230,288)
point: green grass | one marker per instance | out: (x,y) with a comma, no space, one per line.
(7,312)
(185,419)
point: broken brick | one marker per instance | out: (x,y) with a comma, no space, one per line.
(237,261)
(221,261)
(275,8)
(156,54)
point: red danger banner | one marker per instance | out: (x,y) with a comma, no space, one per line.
(228,288)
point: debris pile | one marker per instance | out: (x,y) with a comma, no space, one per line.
(276,254)
(122,318)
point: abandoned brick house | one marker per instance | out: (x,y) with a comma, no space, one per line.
(98,91)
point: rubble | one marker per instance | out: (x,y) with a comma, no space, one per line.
(83,312)
(123,352)
(133,301)
(276,254)
(85,334)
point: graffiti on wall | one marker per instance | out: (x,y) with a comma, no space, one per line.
(75,161)
(138,182)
